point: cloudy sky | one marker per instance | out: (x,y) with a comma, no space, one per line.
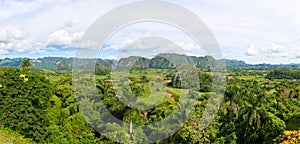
(256,31)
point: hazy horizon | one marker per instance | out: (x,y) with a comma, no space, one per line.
(145,57)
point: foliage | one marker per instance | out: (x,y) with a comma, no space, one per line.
(41,105)
(8,136)
(289,137)
(67,124)
(284,73)
(24,98)
(188,77)
(25,65)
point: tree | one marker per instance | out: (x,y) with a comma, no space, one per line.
(255,123)
(25,65)
(67,123)
(188,77)
(231,95)
(24,98)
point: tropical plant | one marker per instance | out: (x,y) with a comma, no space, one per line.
(25,64)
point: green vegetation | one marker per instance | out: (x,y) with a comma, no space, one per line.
(259,105)
(25,65)
(284,73)
(10,137)
(24,98)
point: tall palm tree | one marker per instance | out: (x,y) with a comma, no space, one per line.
(25,65)
(104,89)
(254,110)
(233,96)
(252,116)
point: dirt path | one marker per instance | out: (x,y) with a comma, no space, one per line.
(170,96)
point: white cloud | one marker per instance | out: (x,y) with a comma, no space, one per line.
(278,55)
(112,57)
(151,46)
(12,33)
(61,39)
(16,40)
(15,8)
(295,55)
(148,43)
(252,50)
(233,27)
(276,51)
(6,48)
(189,46)
(121,46)
(77,36)
(273,48)
(88,45)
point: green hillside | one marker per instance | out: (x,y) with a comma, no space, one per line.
(252,106)
(10,137)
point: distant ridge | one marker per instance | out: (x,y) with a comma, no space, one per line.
(161,61)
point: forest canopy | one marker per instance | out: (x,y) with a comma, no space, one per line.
(258,106)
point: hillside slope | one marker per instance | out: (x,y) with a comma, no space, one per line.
(10,137)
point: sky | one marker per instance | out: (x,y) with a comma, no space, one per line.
(256,31)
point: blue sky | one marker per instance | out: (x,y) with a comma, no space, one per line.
(256,31)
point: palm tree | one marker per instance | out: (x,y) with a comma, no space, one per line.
(232,95)
(25,65)
(252,114)
(254,109)
(104,89)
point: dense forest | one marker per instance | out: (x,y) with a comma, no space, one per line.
(257,105)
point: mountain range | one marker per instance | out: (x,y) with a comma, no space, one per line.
(161,61)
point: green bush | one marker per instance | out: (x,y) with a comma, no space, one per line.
(24,98)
